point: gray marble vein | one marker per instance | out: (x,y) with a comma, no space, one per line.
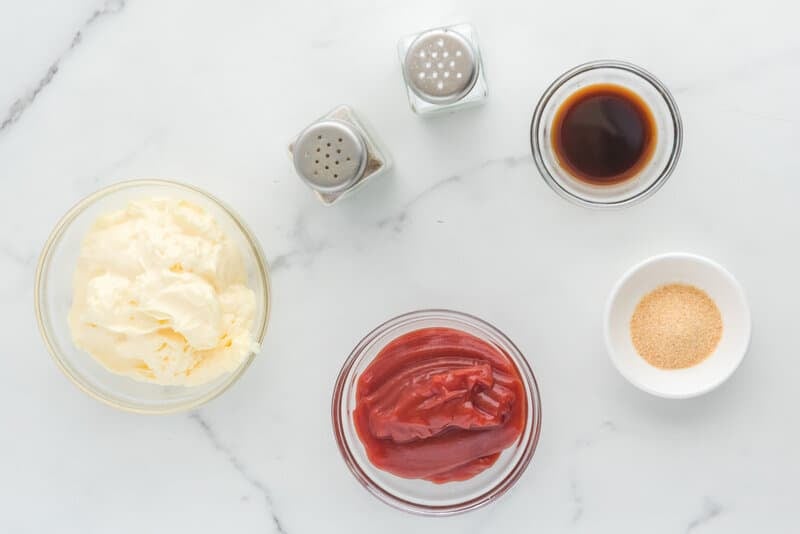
(589,439)
(322,43)
(576,496)
(240,468)
(583,442)
(711,509)
(25,101)
(21,259)
(397,221)
(106,173)
(772,117)
(746,70)
(307,247)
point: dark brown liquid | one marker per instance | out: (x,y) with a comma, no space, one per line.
(604,134)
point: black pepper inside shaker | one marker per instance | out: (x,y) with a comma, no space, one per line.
(336,154)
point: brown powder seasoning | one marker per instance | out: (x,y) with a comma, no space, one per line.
(676,326)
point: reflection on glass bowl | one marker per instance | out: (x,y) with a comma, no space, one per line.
(54,290)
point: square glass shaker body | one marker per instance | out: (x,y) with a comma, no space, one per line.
(474,97)
(378,159)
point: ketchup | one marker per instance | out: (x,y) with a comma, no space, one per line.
(439,404)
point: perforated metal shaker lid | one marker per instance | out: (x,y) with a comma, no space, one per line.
(441,66)
(330,156)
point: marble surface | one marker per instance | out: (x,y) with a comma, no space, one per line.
(211,92)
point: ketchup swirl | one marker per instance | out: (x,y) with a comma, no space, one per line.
(439,404)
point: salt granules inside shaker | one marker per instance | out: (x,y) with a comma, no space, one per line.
(336,154)
(442,69)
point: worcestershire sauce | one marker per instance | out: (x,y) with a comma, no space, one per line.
(604,134)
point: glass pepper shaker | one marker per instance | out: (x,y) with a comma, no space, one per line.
(442,69)
(336,154)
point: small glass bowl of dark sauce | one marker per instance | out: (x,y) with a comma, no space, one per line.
(606,134)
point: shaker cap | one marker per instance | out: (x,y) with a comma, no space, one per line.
(330,156)
(441,66)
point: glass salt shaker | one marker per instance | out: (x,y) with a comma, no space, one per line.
(442,69)
(336,154)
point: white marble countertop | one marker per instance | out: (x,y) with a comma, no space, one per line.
(211,92)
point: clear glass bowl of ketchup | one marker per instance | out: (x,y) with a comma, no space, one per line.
(436,412)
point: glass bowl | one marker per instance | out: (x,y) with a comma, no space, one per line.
(648,180)
(53,299)
(421,496)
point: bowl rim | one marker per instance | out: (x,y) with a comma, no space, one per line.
(44,261)
(688,257)
(645,75)
(376,489)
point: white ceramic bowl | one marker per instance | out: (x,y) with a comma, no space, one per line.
(684,268)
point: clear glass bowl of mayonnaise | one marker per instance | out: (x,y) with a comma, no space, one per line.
(57,277)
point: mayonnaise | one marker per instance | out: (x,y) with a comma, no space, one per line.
(160,295)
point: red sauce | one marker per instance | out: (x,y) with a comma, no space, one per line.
(439,404)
